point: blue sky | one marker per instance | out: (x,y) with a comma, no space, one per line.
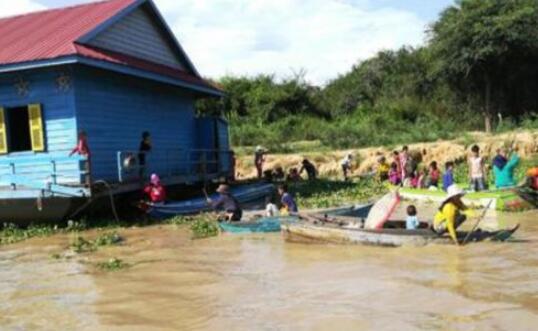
(323,38)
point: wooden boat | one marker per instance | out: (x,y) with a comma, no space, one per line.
(345,230)
(503,200)
(257,223)
(244,194)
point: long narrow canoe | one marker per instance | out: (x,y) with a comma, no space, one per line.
(311,229)
(272,224)
(244,194)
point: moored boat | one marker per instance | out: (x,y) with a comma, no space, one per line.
(338,230)
(258,223)
(244,194)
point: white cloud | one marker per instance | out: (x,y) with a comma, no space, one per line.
(324,37)
(10,8)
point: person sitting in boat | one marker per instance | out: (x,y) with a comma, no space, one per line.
(451,214)
(288,203)
(310,169)
(504,176)
(271,210)
(155,190)
(411,222)
(383,169)
(228,203)
(532,178)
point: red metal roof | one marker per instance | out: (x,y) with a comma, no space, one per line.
(52,34)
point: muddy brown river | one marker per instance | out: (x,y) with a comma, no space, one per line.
(259,282)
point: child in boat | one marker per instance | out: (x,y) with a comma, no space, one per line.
(383,169)
(288,203)
(451,214)
(271,210)
(448,177)
(477,173)
(155,190)
(346,165)
(411,222)
(394,174)
(226,201)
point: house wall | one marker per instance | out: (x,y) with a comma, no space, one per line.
(57,107)
(115,109)
(138,35)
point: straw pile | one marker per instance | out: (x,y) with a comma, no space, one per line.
(329,163)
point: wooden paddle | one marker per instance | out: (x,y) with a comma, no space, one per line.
(482,216)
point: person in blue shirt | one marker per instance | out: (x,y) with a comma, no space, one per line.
(448,177)
(288,203)
(411,222)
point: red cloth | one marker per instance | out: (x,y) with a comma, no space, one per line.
(156,193)
(535,183)
(82,148)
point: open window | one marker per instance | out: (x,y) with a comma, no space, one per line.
(21,129)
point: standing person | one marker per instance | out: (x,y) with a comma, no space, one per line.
(155,190)
(404,158)
(433,175)
(451,213)
(288,203)
(394,174)
(310,169)
(346,165)
(143,149)
(448,177)
(228,203)
(476,170)
(396,159)
(259,160)
(83,149)
(504,177)
(383,169)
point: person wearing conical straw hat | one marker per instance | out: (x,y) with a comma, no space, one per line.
(227,202)
(451,214)
(259,159)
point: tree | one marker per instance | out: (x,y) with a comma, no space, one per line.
(478,45)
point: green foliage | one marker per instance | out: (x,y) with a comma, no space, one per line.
(204,227)
(114,264)
(327,193)
(82,245)
(11,233)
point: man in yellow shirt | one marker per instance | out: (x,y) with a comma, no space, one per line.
(451,214)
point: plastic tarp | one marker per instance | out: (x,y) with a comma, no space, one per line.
(382,210)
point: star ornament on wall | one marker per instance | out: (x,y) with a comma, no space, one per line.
(22,87)
(63,82)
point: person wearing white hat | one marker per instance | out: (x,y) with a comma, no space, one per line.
(259,159)
(451,213)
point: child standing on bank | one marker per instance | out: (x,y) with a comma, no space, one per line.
(448,177)
(477,173)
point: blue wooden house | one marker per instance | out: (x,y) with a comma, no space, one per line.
(114,70)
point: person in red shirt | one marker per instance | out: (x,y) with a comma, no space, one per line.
(155,190)
(82,147)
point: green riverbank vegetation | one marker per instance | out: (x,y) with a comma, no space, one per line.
(476,71)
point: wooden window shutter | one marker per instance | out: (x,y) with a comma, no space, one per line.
(3,135)
(36,127)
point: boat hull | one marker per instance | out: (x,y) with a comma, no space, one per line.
(25,211)
(306,232)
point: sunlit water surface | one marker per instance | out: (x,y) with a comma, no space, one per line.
(259,282)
